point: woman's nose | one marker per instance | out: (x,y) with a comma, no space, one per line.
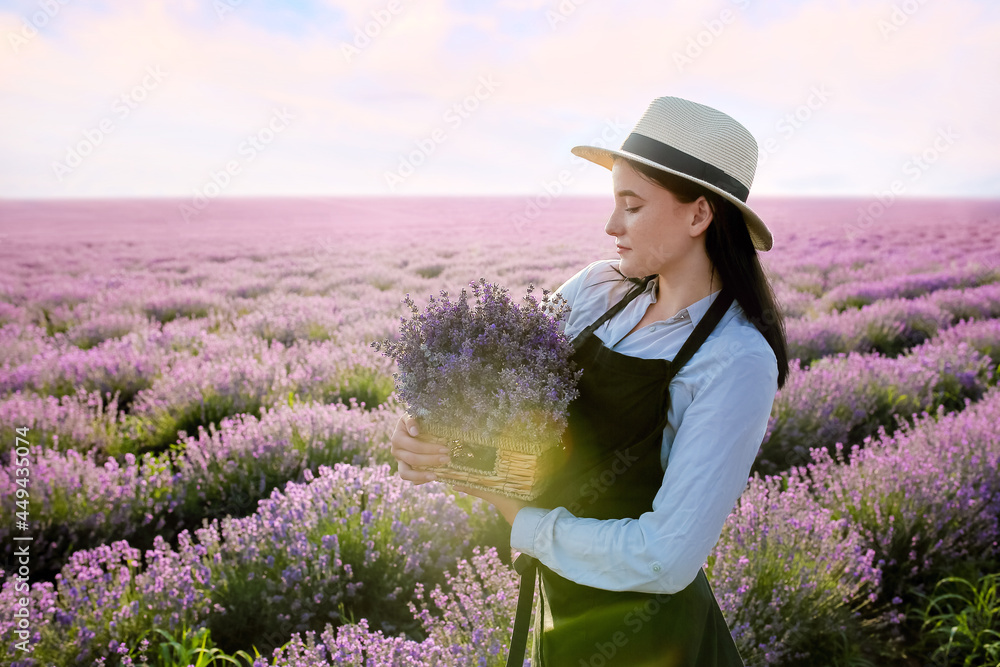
(613,226)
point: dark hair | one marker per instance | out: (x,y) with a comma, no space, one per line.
(731,251)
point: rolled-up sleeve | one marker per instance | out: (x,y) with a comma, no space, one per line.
(714,446)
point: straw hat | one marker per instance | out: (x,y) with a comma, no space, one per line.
(698,143)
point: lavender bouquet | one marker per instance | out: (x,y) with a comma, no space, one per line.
(493,379)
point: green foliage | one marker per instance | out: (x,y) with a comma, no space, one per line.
(806,286)
(382,284)
(318,332)
(950,392)
(192,648)
(52,323)
(359,382)
(366,385)
(961,622)
(432,271)
(848,652)
(849,303)
(124,383)
(160,430)
(168,313)
(893,339)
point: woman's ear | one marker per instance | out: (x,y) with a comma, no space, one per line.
(702,216)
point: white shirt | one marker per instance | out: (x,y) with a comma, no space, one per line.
(720,402)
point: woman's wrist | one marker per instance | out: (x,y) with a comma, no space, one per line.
(508,507)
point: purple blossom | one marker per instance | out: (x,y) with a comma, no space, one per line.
(846,398)
(497,368)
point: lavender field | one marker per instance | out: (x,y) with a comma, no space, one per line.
(207,433)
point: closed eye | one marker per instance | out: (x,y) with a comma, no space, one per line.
(632,210)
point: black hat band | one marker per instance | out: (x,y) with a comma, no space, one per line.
(672,158)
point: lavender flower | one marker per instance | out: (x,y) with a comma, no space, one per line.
(467,621)
(790,574)
(846,398)
(496,369)
(924,499)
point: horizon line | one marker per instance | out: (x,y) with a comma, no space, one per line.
(182,198)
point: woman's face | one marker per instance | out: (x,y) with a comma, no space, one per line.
(652,229)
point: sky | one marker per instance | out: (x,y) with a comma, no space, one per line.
(234,98)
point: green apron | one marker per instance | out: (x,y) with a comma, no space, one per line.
(613,442)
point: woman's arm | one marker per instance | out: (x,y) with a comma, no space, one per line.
(661,552)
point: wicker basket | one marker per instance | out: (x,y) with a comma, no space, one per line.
(512,468)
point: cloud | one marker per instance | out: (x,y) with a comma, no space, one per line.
(367,82)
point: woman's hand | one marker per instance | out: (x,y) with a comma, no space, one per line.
(411,452)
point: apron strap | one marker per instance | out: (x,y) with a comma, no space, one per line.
(612,311)
(526,566)
(707,324)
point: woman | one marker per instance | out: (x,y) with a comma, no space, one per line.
(683,349)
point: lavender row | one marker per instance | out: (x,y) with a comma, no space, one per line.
(170,374)
(302,293)
(790,574)
(162,390)
(804,297)
(78,502)
(925,500)
(226,376)
(827,556)
(301,297)
(84,500)
(467,621)
(847,398)
(119,365)
(889,326)
(176,279)
(836,553)
(83,421)
(351,542)
(927,240)
(862,292)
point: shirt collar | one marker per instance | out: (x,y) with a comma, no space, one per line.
(695,311)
